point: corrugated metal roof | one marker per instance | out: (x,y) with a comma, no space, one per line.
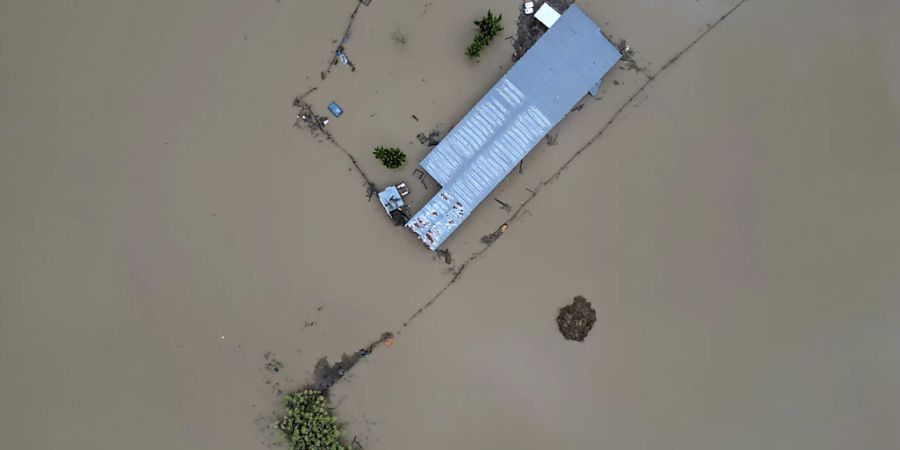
(534,95)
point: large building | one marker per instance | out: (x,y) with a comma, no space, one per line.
(566,63)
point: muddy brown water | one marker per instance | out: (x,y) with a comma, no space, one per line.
(163,226)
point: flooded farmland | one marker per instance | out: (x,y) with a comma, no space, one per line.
(175,254)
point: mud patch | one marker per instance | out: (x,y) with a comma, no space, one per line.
(529,29)
(326,375)
(576,320)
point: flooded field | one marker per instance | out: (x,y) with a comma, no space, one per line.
(175,253)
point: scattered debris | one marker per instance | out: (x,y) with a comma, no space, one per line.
(625,50)
(431,139)
(415,118)
(445,254)
(315,124)
(491,238)
(420,175)
(628,57)
(342,58)
(399,37)
(503,205)
(298,100)
(272,365)
(529,29)
(576,320)
(577,108)
(335,58)
(552,138)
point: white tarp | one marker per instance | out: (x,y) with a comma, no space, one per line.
(547,15)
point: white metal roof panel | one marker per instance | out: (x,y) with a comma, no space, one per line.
(510,120)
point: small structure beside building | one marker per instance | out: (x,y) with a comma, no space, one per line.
(392,200)
(567,62)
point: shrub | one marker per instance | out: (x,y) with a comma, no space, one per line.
(308,424)
(391,157)
(488,28)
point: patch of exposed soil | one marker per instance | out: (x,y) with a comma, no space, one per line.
(576,320)
(529,29)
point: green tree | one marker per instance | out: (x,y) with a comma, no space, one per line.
(488,28)
(308,424)
(391,157)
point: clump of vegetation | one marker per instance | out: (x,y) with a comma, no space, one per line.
(391,157)
(488,28)
(308,424)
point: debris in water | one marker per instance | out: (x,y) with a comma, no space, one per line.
(576,320)
(344,39)
(551,139)
(342,57)
(316,126)
(272,365)
(399,37)
(431,139)
(444,253)
(628,56)
(503,205)
(491,238)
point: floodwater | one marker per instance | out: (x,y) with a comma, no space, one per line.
(163,226)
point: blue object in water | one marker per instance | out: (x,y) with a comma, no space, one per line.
(335,109)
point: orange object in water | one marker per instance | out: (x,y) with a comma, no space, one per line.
(389,341)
